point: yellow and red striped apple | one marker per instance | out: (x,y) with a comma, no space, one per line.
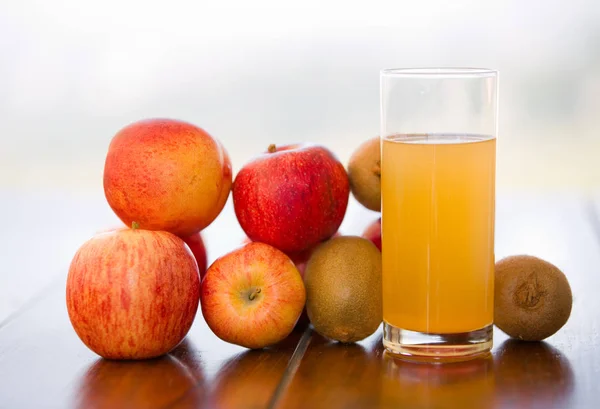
(252,296)
(133,294)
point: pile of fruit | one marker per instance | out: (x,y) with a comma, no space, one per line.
(133,292)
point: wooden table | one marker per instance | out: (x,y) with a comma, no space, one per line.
(44,365)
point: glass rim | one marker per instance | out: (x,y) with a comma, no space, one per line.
(440,72)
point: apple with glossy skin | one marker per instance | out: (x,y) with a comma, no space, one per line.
(373,233)
(133,294)
(291,197)
(166,175)
(252,296)
(299,259)
(196,244)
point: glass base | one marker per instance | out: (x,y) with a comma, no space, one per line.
(423,347)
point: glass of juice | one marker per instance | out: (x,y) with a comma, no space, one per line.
(438,163)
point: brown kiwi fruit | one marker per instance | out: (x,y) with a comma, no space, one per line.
(364,172)
(532,298)
(343,289)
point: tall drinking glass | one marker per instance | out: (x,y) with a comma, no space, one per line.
(438,162)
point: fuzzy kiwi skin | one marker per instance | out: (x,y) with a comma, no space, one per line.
(364,173)
(532,298)
(343,288)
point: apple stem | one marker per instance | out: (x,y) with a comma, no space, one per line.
(272,148)
(135,225)
(254,293)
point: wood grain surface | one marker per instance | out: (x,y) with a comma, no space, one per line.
(44,365)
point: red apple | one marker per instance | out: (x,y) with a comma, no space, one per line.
(166,175)
(133,294)
(373,233)
(196,244)
(252,296)
(291,197)
(299,259)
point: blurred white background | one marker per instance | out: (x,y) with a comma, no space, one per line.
(72,73)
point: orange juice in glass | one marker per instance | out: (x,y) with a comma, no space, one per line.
(438,147)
